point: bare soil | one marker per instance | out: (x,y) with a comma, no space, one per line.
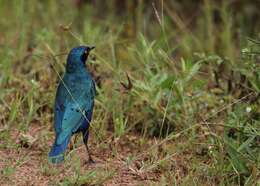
(27,163)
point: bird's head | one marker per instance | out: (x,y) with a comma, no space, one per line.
(77,57)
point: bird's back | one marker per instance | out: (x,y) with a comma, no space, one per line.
(75,90)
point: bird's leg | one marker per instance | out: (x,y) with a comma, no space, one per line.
(85,140)
(90,160)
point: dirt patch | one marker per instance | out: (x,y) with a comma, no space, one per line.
(26,164)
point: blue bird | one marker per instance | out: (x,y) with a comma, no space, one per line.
(74,103)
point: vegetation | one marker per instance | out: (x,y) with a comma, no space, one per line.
(191,116)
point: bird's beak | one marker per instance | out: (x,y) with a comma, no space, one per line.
(91,48)
(88,49)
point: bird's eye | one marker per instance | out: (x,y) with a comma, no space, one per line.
(84,56)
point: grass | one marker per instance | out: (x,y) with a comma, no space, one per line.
(191,117)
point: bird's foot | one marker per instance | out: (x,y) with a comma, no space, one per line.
(90,161)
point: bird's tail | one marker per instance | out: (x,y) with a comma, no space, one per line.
(56,155)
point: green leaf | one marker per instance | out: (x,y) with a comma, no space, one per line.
(194,70)
(246,143)
(235,157)
(167,83)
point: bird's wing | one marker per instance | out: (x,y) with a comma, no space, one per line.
(75,112)
(59,108)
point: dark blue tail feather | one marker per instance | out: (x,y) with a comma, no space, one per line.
(56,155)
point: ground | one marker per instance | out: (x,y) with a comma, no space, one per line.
(28,164)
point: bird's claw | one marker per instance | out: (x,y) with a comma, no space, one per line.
(90,161)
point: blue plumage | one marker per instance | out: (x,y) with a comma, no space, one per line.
(73,104)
